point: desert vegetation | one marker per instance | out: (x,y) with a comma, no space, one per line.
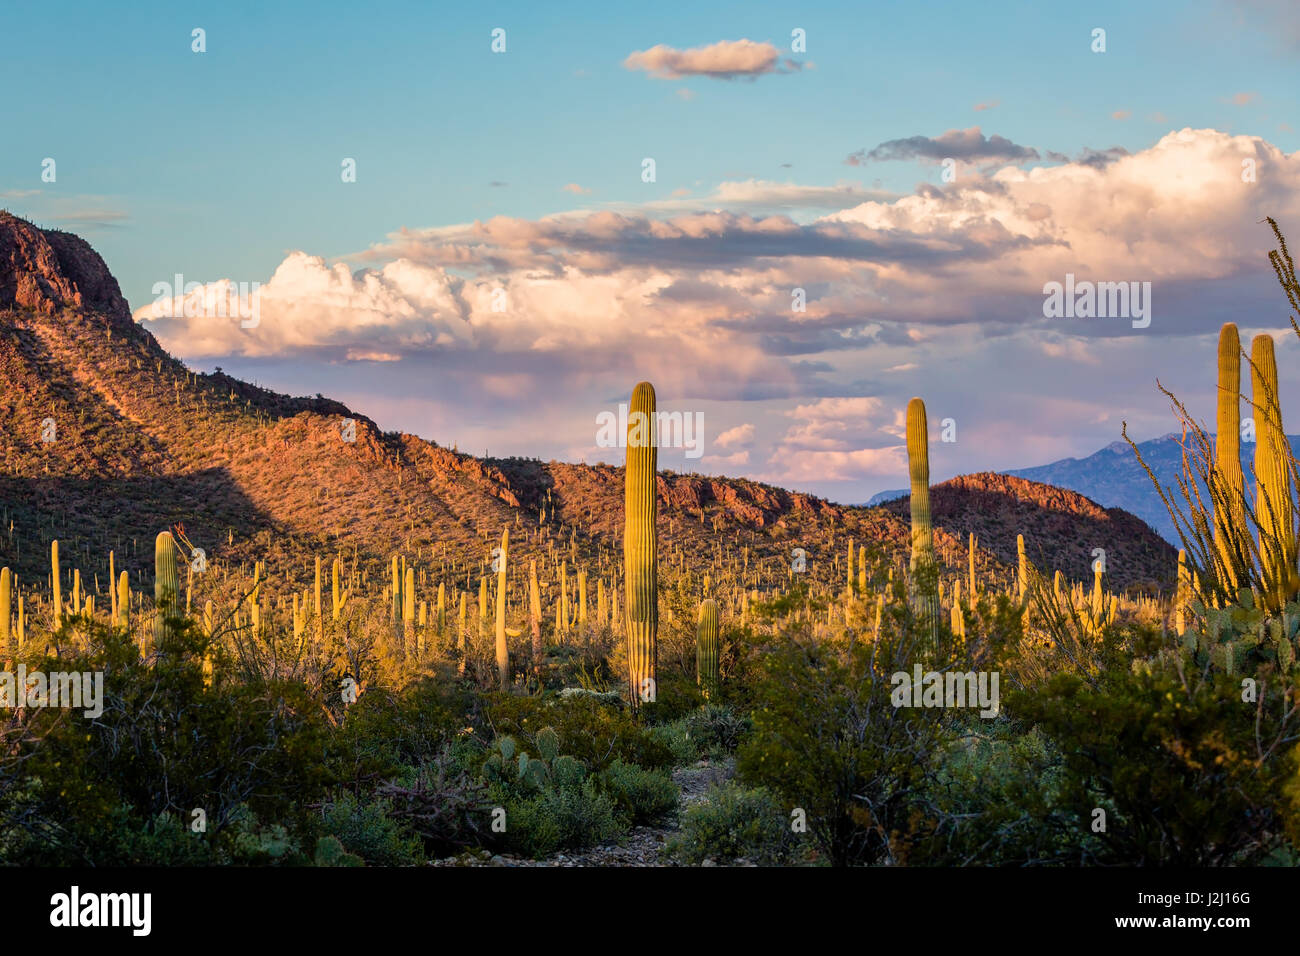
(535,691)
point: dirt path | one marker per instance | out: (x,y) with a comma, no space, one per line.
(641,846)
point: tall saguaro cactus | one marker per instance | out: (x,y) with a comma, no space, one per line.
(58,584)
(1277,543)
(925,595)
(166,585)
(6,592)
(1022,570)
(408,613)
(503,651)
(535,616)
(1229,513)
(708,646)
(640,560)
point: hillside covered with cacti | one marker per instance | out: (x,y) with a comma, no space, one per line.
(109,439)
(428,645)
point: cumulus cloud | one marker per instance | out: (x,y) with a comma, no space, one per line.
(576,189)
(969,145)
(901,295)
(725,60)
(740,435)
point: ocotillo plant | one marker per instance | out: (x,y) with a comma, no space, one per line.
(923,571)
(640,559)
(166,585)
(503,651)
(708,646)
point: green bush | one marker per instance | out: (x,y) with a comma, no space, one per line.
(716,730)
(639,795)
(561,818)
(1187,772)
(676,736)
(733,823)
(828,740)
(589,729)
(92,792)
(330,852)
(368,830)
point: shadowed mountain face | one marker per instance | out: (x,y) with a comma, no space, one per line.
(108,440)
(1061,529)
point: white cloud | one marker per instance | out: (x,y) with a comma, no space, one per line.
(905,295)
(740,435)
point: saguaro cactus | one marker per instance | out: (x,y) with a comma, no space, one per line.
(640,559)
(166,585)
(408,613)
(708,647)
(6,590)
(923,572)
(1277,544)
(1022,570)
(58,584)
(1229,513)
(971,544)
(124,599)
(535,616)
(503,651)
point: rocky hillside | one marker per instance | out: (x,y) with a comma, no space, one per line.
(1061,528)
(108,439)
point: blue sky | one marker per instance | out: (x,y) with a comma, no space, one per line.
(222,164)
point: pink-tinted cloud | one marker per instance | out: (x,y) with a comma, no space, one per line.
(725,60)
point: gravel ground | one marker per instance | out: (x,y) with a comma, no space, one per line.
(641,846)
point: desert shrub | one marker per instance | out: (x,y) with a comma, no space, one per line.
(639,795)
(572,817)
(331,852)
(676,736)
(1187,772)
(368,830)
(589,729)
(676,695)
(718,730)
(441,802)
(733,823)
(164,744)
(996,800)
(828,740)
(550,801)
(383,732)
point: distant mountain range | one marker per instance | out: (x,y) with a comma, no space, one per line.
(1113,478)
